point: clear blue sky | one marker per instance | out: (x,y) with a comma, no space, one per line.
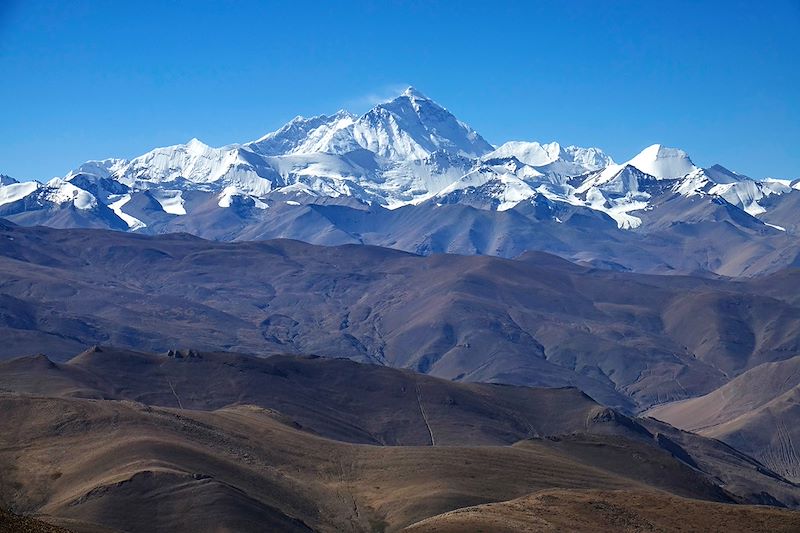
(88,80)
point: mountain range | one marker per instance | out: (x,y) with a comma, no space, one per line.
(409,175)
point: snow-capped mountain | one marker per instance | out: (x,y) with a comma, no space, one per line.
(304,135)
(499,184)
(662,162)
(553,159)
(412,127)
(406,152)
(741,191)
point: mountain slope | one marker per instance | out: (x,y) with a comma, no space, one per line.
(621,337)
(248,454)
(334,398)
(11,523)
(591,510)
(756,412)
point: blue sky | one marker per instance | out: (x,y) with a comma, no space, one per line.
(88,80)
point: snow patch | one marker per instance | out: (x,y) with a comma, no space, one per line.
(132,222)
(171,201)
(779,228)
(230,191)
(59,191)
(226,194)
(17,191)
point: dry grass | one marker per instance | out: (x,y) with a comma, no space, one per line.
(613,511)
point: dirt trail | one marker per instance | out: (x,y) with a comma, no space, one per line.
(425,416)
(175,394)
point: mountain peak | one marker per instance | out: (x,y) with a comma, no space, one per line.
(659,151)
(195,145)
(412,92)
(344,113)
(412,126)
(720,174)
(663,162)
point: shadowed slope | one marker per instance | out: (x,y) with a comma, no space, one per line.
(352,402)
(757,413)
(540,321)
(336,398)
